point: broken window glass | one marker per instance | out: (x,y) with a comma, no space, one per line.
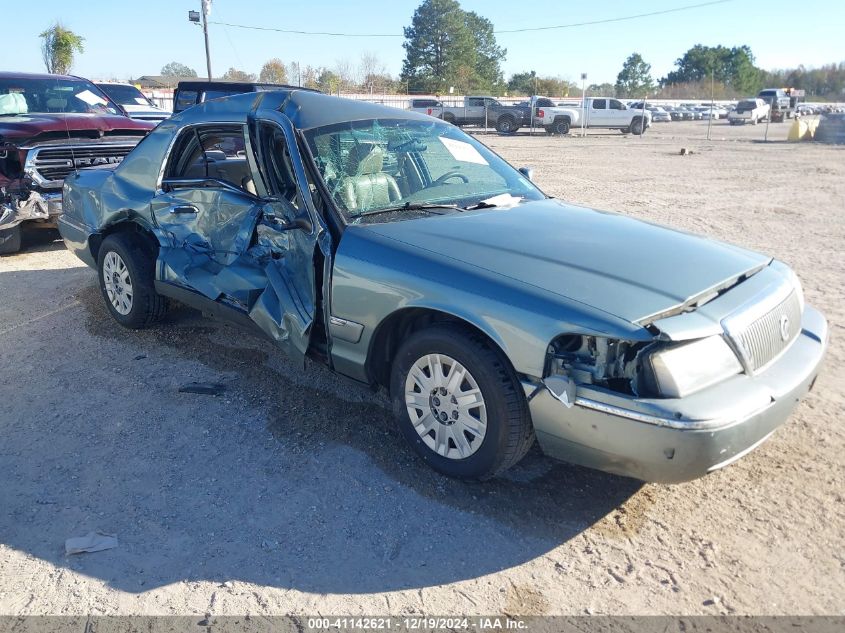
(382,164)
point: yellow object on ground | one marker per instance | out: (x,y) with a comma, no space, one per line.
(803,128)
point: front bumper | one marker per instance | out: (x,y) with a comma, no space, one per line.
(43,208)
(674,440)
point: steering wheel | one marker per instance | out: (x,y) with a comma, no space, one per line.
(448,175)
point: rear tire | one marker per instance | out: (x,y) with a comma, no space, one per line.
(561,126)
(10,240)
(487,434)
(506,125)
(126,274)
(449,117)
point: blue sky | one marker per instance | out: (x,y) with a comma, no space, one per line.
(136,38)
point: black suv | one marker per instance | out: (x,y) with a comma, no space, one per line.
(190,93)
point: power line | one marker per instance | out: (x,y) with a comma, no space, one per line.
(522,30)
(621,19)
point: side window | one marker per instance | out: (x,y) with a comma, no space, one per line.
(185,99)
(599,104)
(475,102)
(615,105)
(213,151)
(276,164)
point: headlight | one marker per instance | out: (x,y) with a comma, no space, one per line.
(685,369)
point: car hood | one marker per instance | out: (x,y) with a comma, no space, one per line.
(26,127)
(631,269)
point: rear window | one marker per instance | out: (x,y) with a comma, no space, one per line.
(185,99)
(217,94)
(424,103)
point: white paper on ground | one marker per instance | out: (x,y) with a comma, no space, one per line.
(91,542)
(463,152)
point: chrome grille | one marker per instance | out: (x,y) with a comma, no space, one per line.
(49,165)
(766,337)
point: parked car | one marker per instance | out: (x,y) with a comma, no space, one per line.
(708,112)
(132,102)
(749,111)
(50,126)
(488,112)
(553,118)
(431,107)
(780,103)
(190,93)
(675,113)
(658,113)
(612,114)
(401,252)
(686,113)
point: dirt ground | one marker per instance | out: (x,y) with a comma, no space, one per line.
(292,492)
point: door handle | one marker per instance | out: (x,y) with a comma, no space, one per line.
(184,209)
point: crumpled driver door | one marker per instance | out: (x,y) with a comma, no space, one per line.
(290,230)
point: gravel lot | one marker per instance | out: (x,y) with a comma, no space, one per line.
(293,493)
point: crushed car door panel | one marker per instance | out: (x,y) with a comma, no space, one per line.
(207,212)
(286,308)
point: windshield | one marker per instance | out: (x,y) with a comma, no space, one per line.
(29,96)
(375,165)
(125,95)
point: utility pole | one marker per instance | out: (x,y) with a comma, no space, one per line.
(583,104)
(206,9)
(712,96)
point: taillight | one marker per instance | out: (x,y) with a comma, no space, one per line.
(429,112)
(540,113)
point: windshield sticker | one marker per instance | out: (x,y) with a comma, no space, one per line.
(90,98)
(463,152)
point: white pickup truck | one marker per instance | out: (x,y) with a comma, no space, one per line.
(601,112)
(749,111)
(555,119)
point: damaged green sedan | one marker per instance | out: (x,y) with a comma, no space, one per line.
(400,252)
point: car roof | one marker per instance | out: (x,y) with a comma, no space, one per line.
(307,109)
(212,85)
(14,75)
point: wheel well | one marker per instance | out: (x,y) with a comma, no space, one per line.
(563,117)
(393,330)
(144,237)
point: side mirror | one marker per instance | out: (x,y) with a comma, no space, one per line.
(528,172)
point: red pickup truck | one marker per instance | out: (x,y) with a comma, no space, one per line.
(50,126)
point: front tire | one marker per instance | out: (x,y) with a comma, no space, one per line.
(125,272)
(459,403)
(10,240)
(637,126)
